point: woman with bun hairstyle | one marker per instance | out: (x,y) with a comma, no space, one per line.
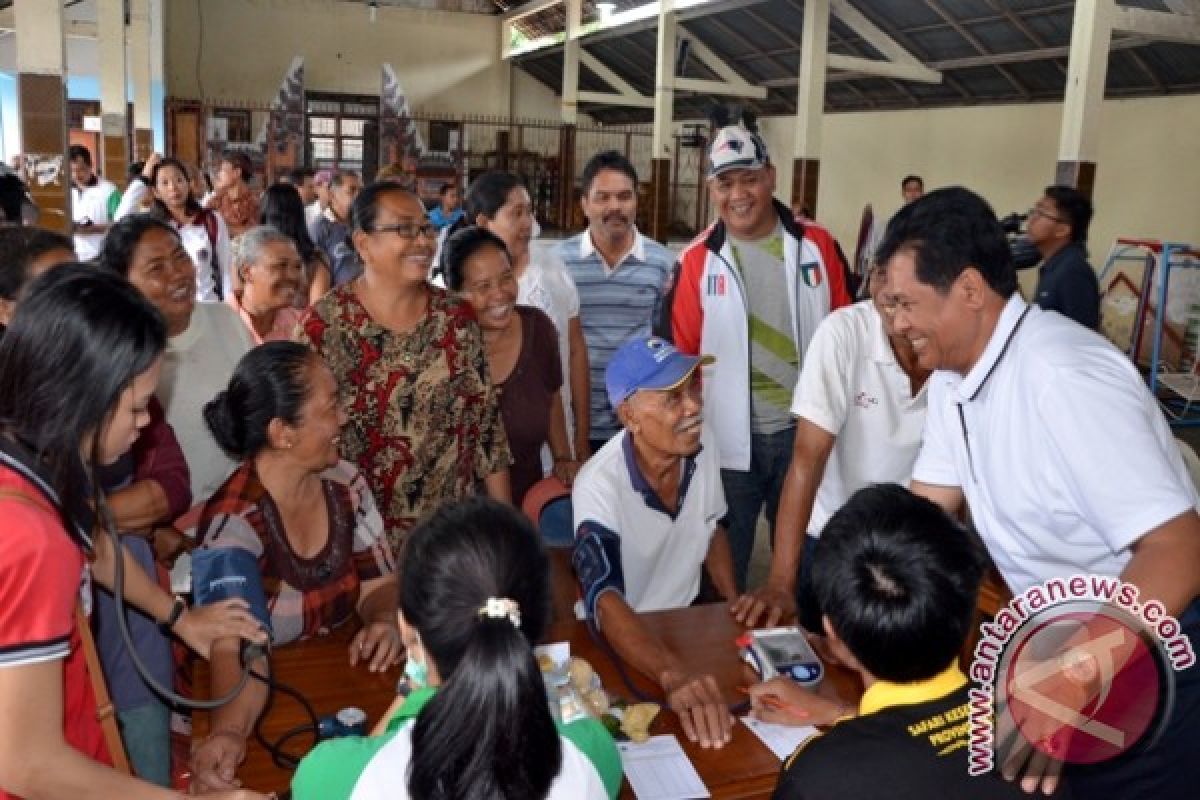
(474,597)
(308,520)
(78,364)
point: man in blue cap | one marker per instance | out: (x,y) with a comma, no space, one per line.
(648,509)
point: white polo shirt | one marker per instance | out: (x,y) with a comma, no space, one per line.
(661,554)
(852,387)
(1070,461)
(91,203)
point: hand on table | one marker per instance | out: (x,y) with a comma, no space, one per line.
(215,763)
(378,644)
(702,711)
(566,470)
(771,603)
(200,626)
(784,702)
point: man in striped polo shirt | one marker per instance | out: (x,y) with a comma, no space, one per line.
(622,277)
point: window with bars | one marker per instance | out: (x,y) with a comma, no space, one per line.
(343,132)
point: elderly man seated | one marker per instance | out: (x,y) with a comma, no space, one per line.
(647,510)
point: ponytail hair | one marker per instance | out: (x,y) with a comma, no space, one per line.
(487,734)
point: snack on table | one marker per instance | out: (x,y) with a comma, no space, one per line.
(583,677)
(596,700)
(635,723)
(545,662)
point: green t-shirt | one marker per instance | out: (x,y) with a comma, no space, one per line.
(365,768)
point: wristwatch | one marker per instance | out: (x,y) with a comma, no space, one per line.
(177,608)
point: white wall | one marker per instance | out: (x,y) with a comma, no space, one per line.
(1147,176)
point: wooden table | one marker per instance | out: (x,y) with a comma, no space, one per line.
(702,636)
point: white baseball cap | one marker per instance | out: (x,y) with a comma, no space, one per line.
(735,147)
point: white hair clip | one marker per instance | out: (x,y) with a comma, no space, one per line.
(501,607)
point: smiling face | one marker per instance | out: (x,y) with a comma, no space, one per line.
(171,186)
(513,223)
(162,271)
(128,417)
(667,422)
(315,438)
(743,199)
(391,253)
(610,204)
(272,281)
(942,328)
(490,286)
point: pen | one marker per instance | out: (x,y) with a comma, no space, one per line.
(773,703)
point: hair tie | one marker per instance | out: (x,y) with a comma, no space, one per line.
(501,607)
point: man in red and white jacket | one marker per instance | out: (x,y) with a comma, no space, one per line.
(751,291)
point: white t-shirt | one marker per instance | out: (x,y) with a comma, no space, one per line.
(1070,458)
(546,285)
(198,364)
(852,387)
(661,556)
(91,203)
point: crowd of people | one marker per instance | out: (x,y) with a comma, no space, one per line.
(347,399)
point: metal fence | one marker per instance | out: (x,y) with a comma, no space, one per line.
(427,149)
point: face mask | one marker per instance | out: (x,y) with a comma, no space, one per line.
(416,672)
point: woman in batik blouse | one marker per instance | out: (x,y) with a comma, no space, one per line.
(423,419)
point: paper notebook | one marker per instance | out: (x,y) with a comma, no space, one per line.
(658,769)
(782,740)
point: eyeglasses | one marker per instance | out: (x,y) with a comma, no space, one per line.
(1038,212)
(408,230)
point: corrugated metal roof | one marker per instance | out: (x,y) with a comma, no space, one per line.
(762,41)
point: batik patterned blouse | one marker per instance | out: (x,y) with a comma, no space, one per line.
(424,421)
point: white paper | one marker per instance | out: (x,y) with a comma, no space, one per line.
(782,740)
(658,769)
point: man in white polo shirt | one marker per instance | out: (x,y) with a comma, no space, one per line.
(1050,437)
(93,203)
(859,406)
(648,508)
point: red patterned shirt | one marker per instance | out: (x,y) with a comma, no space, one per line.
(424,421)
(306,596)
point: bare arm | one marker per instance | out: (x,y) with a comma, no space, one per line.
(566,465)
(498,486)
(719,563)
(378,643)
(36,761)
(696,698)
(581,388)
(216,760)
(950,498)
(1166,563)
(777,599)
(139,505)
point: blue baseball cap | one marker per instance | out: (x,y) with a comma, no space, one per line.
(650,363)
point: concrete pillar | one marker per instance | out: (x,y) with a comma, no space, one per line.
(114,109)
(140,71)
(664,116)
(1087,66)
(42,107)
(810,104)
(571,48)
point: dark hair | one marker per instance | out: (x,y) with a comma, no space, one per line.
(460,246)
(949,230)
(297,176)
(191,205)
(116,253)
(910,178)
(283,210)
(898,580)
(78,151)
(366,204)
(135,169)
(1075,207)
(271,381)
(19,248)
(609,159)
(14,194)
(487,194)
(77,340)
(487,734)
(241,162)
(446,187)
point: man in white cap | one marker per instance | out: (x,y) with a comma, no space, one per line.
(648,507)
(751,291)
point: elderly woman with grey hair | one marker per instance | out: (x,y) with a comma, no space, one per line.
(271,273)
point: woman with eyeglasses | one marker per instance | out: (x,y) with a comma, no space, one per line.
(474,599)
(423,418)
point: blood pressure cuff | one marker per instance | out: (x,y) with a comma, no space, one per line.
(597,562)
(224,572)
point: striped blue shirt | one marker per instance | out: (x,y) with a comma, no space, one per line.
(615,305)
